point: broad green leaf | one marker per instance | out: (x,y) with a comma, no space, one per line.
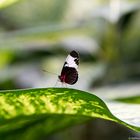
(131,100)
(5,3)
(35,127)
(28,111)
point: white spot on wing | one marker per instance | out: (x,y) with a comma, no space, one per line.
(70,62)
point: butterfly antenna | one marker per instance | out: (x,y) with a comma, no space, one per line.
(50,72)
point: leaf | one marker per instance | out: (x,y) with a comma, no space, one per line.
(24,112)
(35,127)
(5,3)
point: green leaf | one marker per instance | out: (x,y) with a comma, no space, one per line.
(36,111)
(131,100)
(5,3)
(35,127)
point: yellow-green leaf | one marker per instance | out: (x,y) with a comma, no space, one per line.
(24,112)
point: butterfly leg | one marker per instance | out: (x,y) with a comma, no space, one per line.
(62,85)
(56,83)
(65,85)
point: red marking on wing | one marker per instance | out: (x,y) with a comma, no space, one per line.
(69,75)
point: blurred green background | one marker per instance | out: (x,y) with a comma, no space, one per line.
(38,35)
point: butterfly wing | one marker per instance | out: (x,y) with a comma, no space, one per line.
(69,73)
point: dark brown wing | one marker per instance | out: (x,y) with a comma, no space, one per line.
(70,74)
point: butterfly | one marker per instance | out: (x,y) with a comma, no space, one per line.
(69,73)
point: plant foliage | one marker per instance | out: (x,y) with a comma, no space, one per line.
(34,113)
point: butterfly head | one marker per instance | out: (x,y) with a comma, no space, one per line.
(61,78)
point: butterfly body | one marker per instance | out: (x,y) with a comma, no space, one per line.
(69,73)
